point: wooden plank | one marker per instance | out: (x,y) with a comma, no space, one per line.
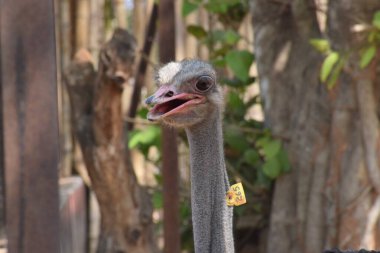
(30,125)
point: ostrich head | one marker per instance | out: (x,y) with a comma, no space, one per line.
(187,94)
(189,97)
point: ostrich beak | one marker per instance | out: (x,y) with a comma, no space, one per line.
(162,93)
(165,105)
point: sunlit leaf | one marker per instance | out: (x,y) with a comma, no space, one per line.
(335,74)
(146,136)
(321,45)
(240,62)
(328,65)
(197,31)
(367,56)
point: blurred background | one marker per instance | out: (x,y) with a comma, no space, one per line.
(301,122)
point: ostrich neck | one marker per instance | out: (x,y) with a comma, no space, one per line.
(212,218)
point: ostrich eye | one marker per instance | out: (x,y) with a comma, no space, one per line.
(204,83)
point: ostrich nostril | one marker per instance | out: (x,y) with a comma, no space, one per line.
(169,94)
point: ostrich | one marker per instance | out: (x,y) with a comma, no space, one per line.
(189,97)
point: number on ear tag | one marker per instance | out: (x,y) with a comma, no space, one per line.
(235,195)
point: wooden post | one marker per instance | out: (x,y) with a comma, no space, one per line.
(170,172)
(29,104)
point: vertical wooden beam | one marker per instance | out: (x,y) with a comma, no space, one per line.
(29,96)
(2,174)
(170,172)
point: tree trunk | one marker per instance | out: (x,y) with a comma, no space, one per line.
(332,136)
(125,208)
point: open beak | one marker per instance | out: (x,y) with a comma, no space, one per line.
(164,106)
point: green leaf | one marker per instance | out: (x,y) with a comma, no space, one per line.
(237,83)
(321,45)
(197,31)
(284,160)
(270,148)
(219,62)
(335,74)
(376,20)
(215,7)
(367,56)
(240,62)
(188,7)
(272,168)
(235,102)
(157,198)
(328,65)
(372,36)
(231,37)
(143,112)
(251,157)
(146,136)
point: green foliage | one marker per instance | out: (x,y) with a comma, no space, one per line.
(235,139)
(334,62)
(328,65)
(376,20)
(197,31)
(188,7)
(367,55)
(240,63)
(272,168)
(321,45)
(157,199)
(145,138)
(275,158)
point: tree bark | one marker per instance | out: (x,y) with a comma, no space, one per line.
(125,208)
(332,136)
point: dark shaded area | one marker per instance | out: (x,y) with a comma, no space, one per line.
(350,251)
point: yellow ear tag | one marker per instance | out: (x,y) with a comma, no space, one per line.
(235,195)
